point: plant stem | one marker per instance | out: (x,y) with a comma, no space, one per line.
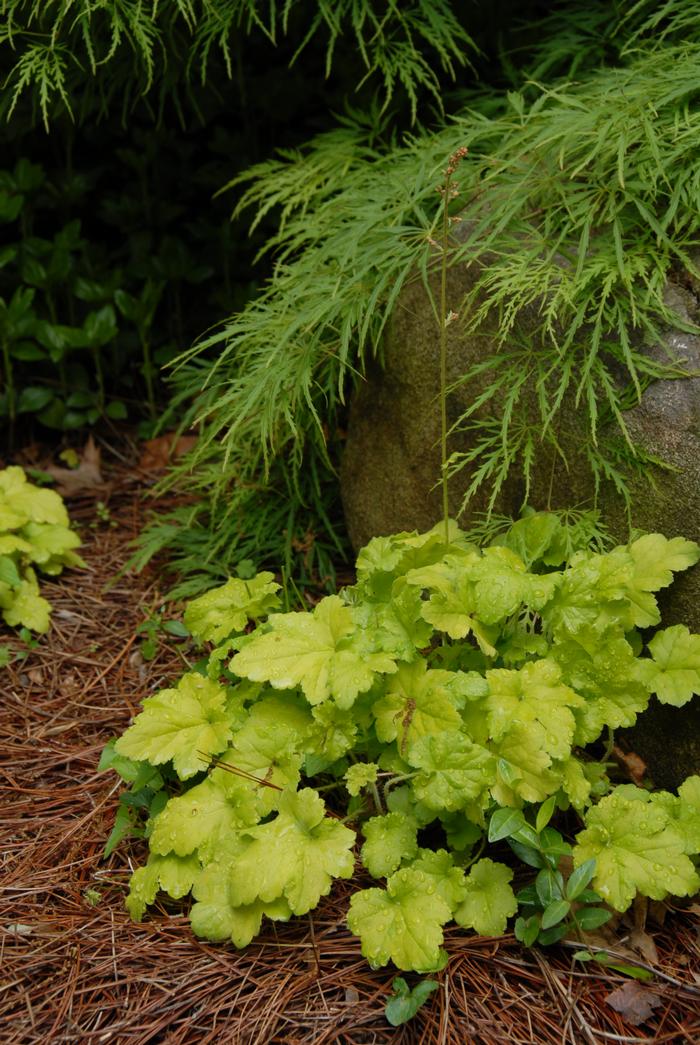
(10,384)
(448,192)
(443,355)
(148,374)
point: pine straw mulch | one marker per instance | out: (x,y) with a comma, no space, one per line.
(76,970)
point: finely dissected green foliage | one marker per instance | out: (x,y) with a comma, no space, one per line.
(35,535)
(119,47)
(450,693)
(582,197)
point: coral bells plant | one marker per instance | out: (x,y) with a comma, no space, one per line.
(455,697)
(35,534)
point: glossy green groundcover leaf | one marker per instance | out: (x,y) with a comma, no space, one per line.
(450,690)
(406,1001)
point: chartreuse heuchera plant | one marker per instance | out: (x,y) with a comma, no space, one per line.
(445,700)
(35,534)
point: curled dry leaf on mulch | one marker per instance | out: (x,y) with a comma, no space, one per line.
(75,969)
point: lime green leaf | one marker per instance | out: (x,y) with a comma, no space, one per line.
(297,855)
(397,625)
(603,669)
(203,817)
(24,607)
(187,724)
(448,880)
(280,710)
(574,782)
(455,771)
(534,697)
(333,731)
(685,812)
(674,671)
(214,917)
(394,556)
(637,848)
(269,754)
(11,543)
(523,768)
(531,537)
(24,502)
(594,593)
(174,874)
(388,840)
(402,800)
(359,776)
(318,651)
(220,612)
(9,574)
(656,559)
(489,900)
(417,703)
(501,585)
(50,542)
(450,606)
(402,923)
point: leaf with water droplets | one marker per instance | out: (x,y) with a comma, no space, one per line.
(417,703)
(186,724)
(297,855)
(673,673)
(637,848)
(220,612)
(215,917)
(204,816)
(321,651)
(454,771)
(388,840)
(448,880)
(174,874)
(402,923)
(489,900)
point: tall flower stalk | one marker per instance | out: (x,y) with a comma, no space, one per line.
(449,191)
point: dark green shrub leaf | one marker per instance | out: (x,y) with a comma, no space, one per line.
(527,929)
(405,1003)
(116,410)
(505,822)
(554,913)
(33,399)
(592,917)
(579,879)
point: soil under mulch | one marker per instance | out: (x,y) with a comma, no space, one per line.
(75,969)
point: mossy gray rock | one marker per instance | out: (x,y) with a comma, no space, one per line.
(392,463)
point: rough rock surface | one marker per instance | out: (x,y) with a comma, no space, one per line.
(392,463)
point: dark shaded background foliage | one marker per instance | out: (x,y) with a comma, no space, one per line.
(138,115)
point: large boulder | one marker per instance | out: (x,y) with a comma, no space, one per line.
(391,464)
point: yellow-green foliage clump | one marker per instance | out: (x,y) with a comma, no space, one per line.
(34,533)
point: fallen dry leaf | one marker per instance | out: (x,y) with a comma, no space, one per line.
(87,476)
(158,453)
(634,766)
(644,943)
(634,1002)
